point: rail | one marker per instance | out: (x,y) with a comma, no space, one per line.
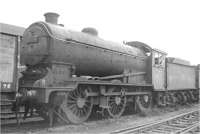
(178,124)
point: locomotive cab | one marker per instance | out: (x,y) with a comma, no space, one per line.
(158,69)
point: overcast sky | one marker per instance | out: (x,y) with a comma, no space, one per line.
(169,25)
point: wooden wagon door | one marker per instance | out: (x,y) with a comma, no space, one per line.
(7,62)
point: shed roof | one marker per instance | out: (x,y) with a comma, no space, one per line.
(11,29)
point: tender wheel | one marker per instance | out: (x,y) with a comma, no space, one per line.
(116,104)
(181,98)
(144,103)
(196,95)
(77,106)
(184,97)
(170,99)
(188,96)
(192,95)
(161,99)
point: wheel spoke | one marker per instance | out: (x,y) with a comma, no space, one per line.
(119,109)
(113,109)
(84,110)
(76,93)
(71,101)
(120,105)
(77,113)
(87,101)
(73,107)
(112,103)
(112,98)
(80,113)
(71,96)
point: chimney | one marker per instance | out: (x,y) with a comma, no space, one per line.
(51,17)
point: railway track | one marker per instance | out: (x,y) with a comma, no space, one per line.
(180,124)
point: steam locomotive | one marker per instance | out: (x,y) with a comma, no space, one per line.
(77,71)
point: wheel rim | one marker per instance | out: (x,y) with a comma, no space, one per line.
(116,105)
(77,106)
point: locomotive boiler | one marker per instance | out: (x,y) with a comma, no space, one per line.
(75,71)
(91,55)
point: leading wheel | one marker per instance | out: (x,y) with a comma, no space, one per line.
(77,106)
(116,104)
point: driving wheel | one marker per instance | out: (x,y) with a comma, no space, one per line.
(77,106)
(116,104)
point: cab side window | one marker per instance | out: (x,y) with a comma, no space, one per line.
(159,59)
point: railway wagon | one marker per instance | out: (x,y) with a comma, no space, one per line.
(74,72)
(10,39)
(198,77)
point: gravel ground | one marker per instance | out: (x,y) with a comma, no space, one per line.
(101,126)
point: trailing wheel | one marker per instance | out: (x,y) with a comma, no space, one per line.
(144,103)
(77,106)
(116,104)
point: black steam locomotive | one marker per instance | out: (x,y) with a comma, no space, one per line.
(75,71)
